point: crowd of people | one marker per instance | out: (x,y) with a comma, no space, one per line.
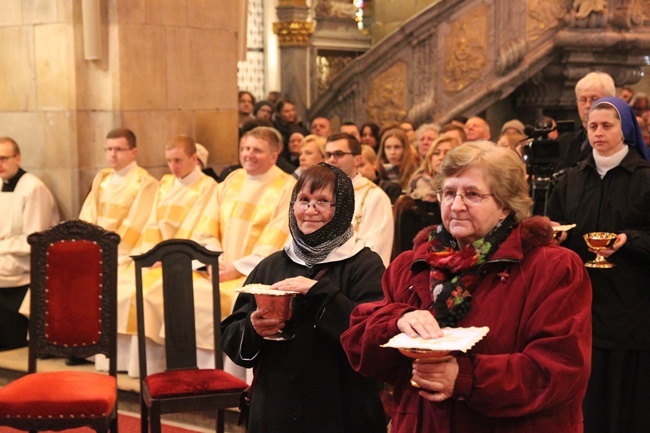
(383,229)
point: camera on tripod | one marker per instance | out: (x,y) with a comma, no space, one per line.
(541,154)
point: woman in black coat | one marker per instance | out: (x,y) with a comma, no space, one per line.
(306,384)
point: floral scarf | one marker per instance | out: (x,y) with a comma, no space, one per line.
(454,272)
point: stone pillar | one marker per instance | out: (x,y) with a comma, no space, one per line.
(164,68)
(293,32)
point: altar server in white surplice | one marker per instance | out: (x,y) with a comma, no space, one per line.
(27,206)
(122,194)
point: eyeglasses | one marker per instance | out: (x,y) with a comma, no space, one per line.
(338,154)
(319,205)
(115,149)
(470,198)
(4,159)
(583,100)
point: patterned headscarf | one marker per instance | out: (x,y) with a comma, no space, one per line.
(631,130)
(315,247)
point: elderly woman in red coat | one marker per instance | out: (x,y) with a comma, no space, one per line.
(500,270)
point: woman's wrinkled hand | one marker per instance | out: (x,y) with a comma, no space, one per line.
(436,377)
(419,323)
(301,285)
(621,239)
(263,326)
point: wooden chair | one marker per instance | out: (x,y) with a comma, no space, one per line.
(182,387)
(72,314)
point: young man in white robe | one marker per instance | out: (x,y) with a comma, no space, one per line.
(27,206)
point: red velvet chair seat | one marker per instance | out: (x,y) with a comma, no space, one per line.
(59,394)
(179,383)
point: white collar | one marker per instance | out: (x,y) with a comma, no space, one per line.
(125,170)
(606,163)
(190,178)
(349,249)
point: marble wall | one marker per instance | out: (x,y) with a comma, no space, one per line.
(166,67)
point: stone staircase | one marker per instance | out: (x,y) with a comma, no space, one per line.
(462,57)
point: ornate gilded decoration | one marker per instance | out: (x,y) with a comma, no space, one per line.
(466,49)
(328,64)
(544,15)
(293,33)
(387,95)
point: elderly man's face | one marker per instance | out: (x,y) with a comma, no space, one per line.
(585,100)
(477,129)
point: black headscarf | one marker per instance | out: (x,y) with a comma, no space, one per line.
(315,247)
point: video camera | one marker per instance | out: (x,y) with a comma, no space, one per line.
(541,154)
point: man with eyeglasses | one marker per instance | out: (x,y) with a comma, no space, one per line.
(121,195)
(575,145)
(27,206)
(373,214)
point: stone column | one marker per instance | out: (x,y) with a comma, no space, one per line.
(163,68)
(293,32)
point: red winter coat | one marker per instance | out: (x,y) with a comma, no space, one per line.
(529,374)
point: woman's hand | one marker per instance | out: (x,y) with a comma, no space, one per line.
(294,284)
(265,327)
(621,239)
(436,377)
(559,236)
(419,323)
(228,272)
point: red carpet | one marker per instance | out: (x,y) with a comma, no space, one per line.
(125,424)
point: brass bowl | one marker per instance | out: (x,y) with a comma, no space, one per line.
(424,353)
(279,305)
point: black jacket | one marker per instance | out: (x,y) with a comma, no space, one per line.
(307,384)
(619,203)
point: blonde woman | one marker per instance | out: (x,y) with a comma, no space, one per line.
(310,153)
(419,208)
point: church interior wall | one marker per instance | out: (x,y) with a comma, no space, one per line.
(165,67)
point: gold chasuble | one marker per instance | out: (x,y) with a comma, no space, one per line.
(178,205)
(247,219)
(121,201)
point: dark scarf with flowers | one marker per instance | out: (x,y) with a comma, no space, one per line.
(454,272)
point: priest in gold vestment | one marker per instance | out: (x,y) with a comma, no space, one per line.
(121,196)
(247,219)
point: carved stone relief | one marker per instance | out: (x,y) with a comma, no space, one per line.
(344,9)
(387,95)
(466,49)
(544,15)
(630,13)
